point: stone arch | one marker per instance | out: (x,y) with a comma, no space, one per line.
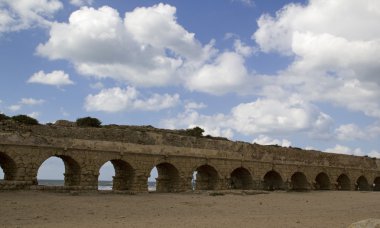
(124,174)
(376,184)
(322,182)
(8,166)
(241,178)
(362,184)
(273,181)
(207,178)
(299,182)
(343,182)
(168,177)
(72,175)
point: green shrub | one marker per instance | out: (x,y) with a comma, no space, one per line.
(88,122)
(4,117)
(196,131)
(25,119)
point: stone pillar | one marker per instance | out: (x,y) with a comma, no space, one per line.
(223,184)
(89,180)
(183,184)
(140,182)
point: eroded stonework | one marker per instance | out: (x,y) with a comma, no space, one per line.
(134,151)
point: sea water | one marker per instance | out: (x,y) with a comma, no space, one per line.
(103,185)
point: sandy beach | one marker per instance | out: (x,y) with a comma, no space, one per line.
(276,209)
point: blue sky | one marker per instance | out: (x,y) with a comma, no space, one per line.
(299,73)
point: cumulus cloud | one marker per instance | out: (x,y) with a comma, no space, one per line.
(354,132)
(97,85)
(25,101)
(14,108)
(24,14)
(81,2)
(56,78)
(117,99)
(214,125)
(34,114)
(335,61)
(101,44)
(31,101)
(263,116)
(374,154)
(340,149)
(243,49)
(194,105)
(146,48)
(274,116)
(266,140)
(226,74)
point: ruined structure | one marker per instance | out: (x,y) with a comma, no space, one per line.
(134,151)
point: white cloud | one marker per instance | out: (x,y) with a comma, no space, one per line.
(336,61)
(157,102)
(263,116)
(31,101)
(243,49)
(56,78)
(354,132)
(339,149)
(34,115)
(215,125)
(266,140)
(24,14)
(147,48)
(245,2)
(117,99)
(349,132)
(226,74)
(14,108)
(374,154)
(157,26)
(81,2)
(25,101)
(100,44)
(97,85)
(274,116)
(194,105)
(277,33)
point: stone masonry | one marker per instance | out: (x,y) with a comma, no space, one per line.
(220,164)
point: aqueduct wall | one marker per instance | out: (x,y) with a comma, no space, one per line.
(134,151)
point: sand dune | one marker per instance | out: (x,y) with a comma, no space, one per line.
(276,209)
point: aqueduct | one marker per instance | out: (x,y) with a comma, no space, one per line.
(133,151)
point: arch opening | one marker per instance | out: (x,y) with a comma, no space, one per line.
(167,178)
(362,184)
(241,179)
(343,182)
(376,184)
(52,172)
(7,167)
(205,177)
(1,174)
(273,181)
(322,182)
(116,175)
(299,182)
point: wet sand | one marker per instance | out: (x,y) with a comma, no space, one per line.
(276,209)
